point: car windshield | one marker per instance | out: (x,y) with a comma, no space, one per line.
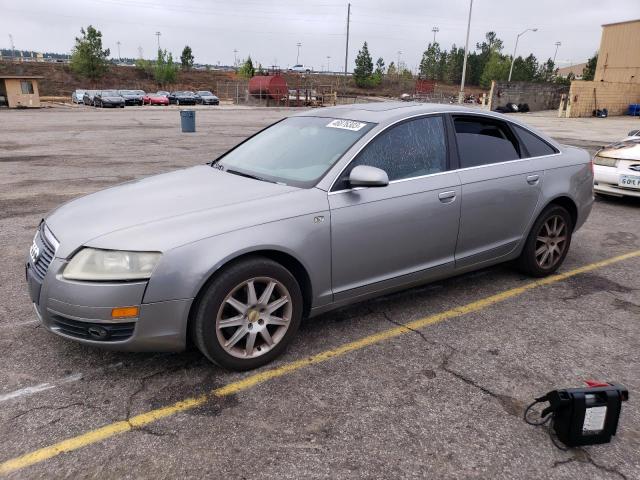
(205,94)
(125,92)
(109,93)
(296,151)
(138,92)
(185,94)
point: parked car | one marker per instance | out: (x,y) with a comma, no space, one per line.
(88,96)
(163,93)
(319,210)
(300,69)
(78,96)
(132,97)
(205,97)
(182,98)
(108,98)
(155,99)
(617,167)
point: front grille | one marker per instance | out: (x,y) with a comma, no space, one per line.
(104,332)
(47,252)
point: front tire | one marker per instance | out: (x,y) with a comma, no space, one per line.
(248,315)
(548,242)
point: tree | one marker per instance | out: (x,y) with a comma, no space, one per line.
(364,67)
(166,71)
(453,69)
(186,59)
(380,66)
(589,71)
(497,68)
(547,71)
(392,71)
(88,59)
(247,70)
(430,63)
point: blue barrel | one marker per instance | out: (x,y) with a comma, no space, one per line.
(188,121)
(634,109)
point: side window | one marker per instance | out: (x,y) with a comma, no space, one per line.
(410,149)
(26,86)
(483,141)
(534,145)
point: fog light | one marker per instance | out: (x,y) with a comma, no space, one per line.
(582,416)
(124,312)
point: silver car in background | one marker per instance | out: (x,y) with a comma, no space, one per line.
(321,209)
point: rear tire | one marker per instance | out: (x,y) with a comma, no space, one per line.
(262,303)
(548,242)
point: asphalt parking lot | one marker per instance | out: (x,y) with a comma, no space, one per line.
(355,396)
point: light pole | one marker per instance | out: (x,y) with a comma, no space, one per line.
(298,55)
(119,57)
(554,55)
(235,58)
(328,60)
(398,68)
(157,34)
(466,52)
(435,30)
(513,59)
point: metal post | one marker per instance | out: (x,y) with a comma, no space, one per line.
(466,53)
(346,50)
(556,53)
(435,30)
(158,35)
(298,55)
(119,57)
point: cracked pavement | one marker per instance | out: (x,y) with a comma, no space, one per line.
(444,401)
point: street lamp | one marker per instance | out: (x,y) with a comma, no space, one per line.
(298,56)
(513,59)
(328,59)
(554,55)
(398,67)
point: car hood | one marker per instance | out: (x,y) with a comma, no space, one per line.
(175,200)
(112,99)
(624,150)
(212,97)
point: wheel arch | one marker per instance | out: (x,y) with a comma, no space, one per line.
(286,259)
(568,204)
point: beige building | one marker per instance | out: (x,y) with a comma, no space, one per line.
(576,70)
(616,83)
(619,54)
(19,91)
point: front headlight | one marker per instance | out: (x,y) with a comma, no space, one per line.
(93,264)
(605,161)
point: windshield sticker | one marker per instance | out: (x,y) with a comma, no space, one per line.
(346,125)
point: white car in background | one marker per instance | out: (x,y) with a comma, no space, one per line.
(77,96)
(617,167)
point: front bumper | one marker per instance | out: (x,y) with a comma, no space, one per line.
(81,311)
(606,181)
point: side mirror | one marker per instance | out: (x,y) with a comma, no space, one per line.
(365,176)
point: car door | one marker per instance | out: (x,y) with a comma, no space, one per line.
(500,189)
(383,237)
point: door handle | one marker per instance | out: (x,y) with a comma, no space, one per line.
(447,197)
(533,179)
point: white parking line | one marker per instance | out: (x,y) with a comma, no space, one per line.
(40,388)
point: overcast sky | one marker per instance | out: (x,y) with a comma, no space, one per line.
(269,30)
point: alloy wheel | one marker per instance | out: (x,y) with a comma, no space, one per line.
(254,317)
(551,242)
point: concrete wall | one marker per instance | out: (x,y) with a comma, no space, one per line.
(539,96)
(619,54)
(15,97)
(584,97)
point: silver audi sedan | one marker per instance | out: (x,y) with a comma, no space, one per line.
(321,209)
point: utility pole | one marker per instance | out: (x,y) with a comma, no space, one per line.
(158,35)
(398,67)
(298,55)
(554,55)
(346,50)
(235,58)
(466,53)
(435,30)
(119,57)
(13,47)
(140,52)
(328,59)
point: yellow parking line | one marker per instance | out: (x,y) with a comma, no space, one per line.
(111,430)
